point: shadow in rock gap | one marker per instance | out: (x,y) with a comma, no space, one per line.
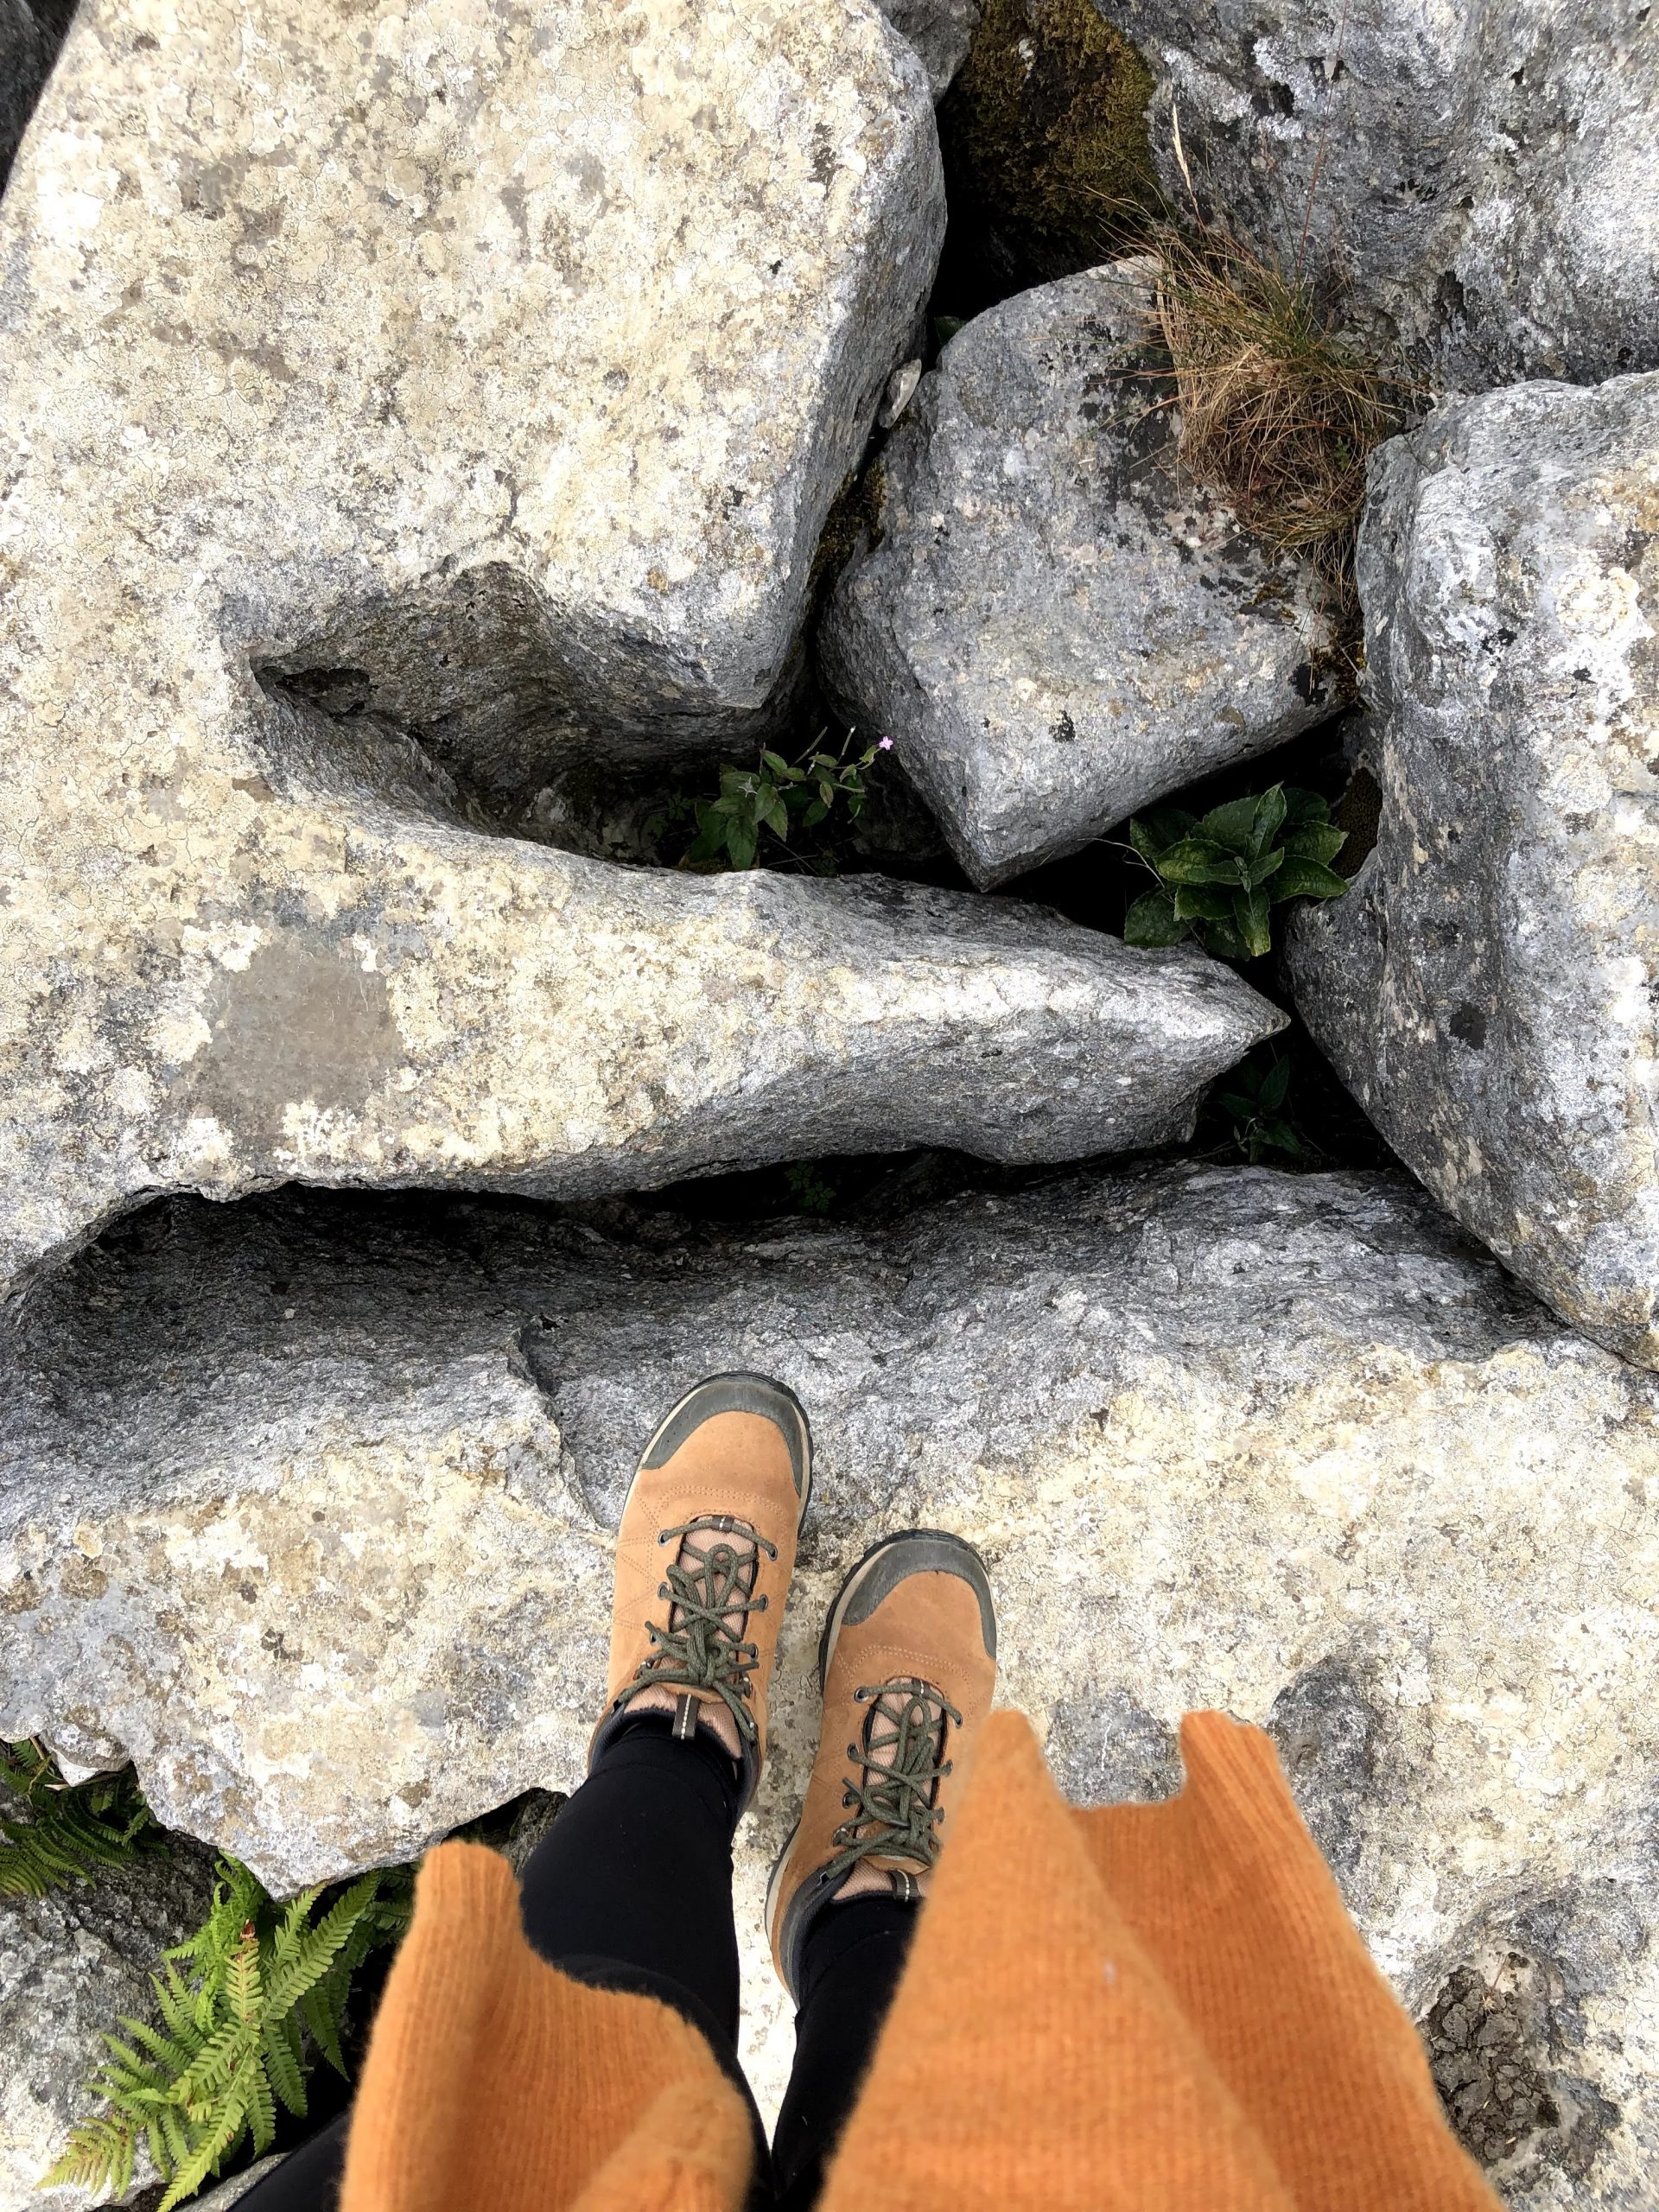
(31,31)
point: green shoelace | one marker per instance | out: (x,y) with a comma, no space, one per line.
(701,1649)
(895,1816)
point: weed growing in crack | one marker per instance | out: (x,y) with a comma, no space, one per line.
(1280,408)
(246,2006)
(1220,875)
(788,800)
(1256,1103)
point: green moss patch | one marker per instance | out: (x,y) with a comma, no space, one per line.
(1044,138)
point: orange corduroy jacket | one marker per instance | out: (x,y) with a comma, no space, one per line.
(1162,2007)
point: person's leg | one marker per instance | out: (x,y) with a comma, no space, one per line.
(906,1668)
(850,1963)
(633,1883)
(632,1887)
(307,2179)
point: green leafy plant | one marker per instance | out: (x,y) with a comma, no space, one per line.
(781,797)
(1256,1101)
(812,1192)
(1219,876)
(73,1829)
(246,2006)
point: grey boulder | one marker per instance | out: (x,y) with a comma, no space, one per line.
(1487,989)
(1050,624)
(71,1965)
(392,414)
(490,1013)
(941,32)
(1482,180)
(308,1501)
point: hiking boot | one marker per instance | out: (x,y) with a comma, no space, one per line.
(704,1561)
(907,1667)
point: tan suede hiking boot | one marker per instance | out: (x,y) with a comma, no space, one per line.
(704,1561)
(908,1666)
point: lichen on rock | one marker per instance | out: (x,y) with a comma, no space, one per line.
(337,1475)
(1487,990)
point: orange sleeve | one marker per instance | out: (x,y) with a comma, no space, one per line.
(1157,2007)
(493,2083)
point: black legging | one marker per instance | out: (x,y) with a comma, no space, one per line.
(632,1889)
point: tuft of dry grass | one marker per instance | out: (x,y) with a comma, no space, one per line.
(1280,410)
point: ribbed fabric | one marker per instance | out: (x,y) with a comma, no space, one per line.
(1161,2008)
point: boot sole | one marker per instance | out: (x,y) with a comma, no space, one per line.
(940,1549)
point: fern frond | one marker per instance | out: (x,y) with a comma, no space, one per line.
(214,2066)
(98,2157)
(72,1830)
(245,2005)
(261,2103)
(215,2144)
(243,1984)
(284,2062)
(320,1946)
(319,2009)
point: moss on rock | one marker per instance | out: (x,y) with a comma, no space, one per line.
(1044,138)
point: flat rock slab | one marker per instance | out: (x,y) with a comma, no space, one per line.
(1052,626)
(1487,989)
(308,1506)
(330,1002)
(1482,180)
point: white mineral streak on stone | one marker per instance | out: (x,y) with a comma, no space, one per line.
(1054,627)
(1285,1446)
(1487,990)
(1483,178)
(487,370)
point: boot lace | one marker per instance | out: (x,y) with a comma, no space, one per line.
(701,1649)
(900,1769)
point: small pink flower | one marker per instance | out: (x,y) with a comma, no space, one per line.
(884,744)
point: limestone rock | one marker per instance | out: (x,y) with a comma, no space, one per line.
(388,403)
(1483,180)
(1486,990)
(938,30)
(334,1476)
(360,1000)
(71,1965)
(30,34)
(1054,627)
(490,367)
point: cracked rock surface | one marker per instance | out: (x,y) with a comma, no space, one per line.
(1054,627)
(1483,180)
(71,1965)
(386,400)
(1486,991)
(335,1477)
